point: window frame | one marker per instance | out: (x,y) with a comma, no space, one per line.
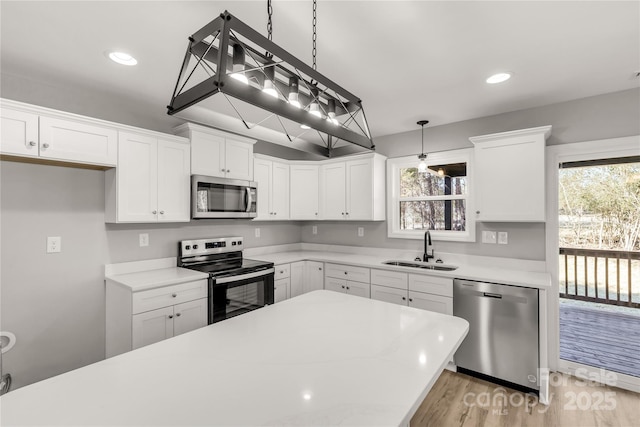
(393,196)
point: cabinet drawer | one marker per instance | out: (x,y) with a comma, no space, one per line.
(169,295)
(348,272)
(431,285)
(282,271)
(392,279)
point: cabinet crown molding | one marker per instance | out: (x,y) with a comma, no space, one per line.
(541,130)
(185,129)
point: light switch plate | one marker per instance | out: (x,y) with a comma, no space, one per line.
(503,238)
(144,239)
(314,229)
(489,237)
(257,232)
(54,244)
(360,231)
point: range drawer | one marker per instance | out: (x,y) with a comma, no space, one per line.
(348,272)
(388,278)
(169,295)
(431,285)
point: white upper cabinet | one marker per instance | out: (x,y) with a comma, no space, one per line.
(272,178)
(151,182)
(510,175)
(56,137)
(217,153)
(353,189)
(304,191)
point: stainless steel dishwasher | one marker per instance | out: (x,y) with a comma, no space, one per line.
(503,331)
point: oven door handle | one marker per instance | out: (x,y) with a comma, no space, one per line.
(230,279)
(249,199)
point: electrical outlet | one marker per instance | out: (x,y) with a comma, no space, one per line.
(360,231)
(503,238)
(54,244)
(488,237)
(314,229)
(257,232)
(144,239)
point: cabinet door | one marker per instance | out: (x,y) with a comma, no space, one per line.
(332,191)
(279,190)
(207,154)
(173,181)
(314,276)
(262,174)
(238,160)
(392,295)
(359,189)
(430,302)
(337,285)
(19,133)
(359,289)
(304,192)
(189,316)
(297,278)
(510,177)
(281,289)
(77,142)
(137,172)
(152,326)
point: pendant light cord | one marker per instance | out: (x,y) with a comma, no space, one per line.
(269,25)
(422,152)
(315,35)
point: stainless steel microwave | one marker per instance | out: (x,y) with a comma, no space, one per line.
(213,197)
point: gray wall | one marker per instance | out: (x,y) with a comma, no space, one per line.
(598,117)
(54,303)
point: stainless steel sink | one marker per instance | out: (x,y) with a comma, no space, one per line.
(437,267)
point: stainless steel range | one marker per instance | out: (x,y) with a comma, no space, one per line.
(236,285)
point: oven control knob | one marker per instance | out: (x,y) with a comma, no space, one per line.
(195,246)
(186,248)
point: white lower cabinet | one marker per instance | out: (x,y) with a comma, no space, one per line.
(347,287)
(313,276)
(157,325)
(348,279)
(282,283)
(414,290)
(136,319)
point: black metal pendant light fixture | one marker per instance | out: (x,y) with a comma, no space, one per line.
(422,166)
(229,57)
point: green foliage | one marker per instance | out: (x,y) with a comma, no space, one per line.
(601,206)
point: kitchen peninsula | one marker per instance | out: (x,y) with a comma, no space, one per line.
(320,358)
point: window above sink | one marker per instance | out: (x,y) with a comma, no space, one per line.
(439,200)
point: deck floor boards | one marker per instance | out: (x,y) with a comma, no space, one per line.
(600,338)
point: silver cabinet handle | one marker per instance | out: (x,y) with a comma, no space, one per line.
(347,213)
(343,213)
(154,212)
(174,295)
(345,272)
(222,170)
(228,170)
(477,212)
(170,316)
(161,212)
(316,213)
(404,299)
(410,299)
(281,272)
(347,288)
(45,145)
(32,143)
(342,286)
(177,314)
(320,268)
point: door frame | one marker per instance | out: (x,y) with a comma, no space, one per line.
(556,154)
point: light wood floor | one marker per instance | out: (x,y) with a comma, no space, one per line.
(574,403)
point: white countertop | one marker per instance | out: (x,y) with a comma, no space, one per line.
(532,279)
(144,280)
(323,358)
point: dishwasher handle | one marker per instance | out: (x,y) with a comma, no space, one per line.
(490,295)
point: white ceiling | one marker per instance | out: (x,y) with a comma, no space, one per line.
(406,60)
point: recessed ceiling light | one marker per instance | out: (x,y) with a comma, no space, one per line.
(499,78)
(122,58)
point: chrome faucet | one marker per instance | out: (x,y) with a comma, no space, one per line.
(427,242)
